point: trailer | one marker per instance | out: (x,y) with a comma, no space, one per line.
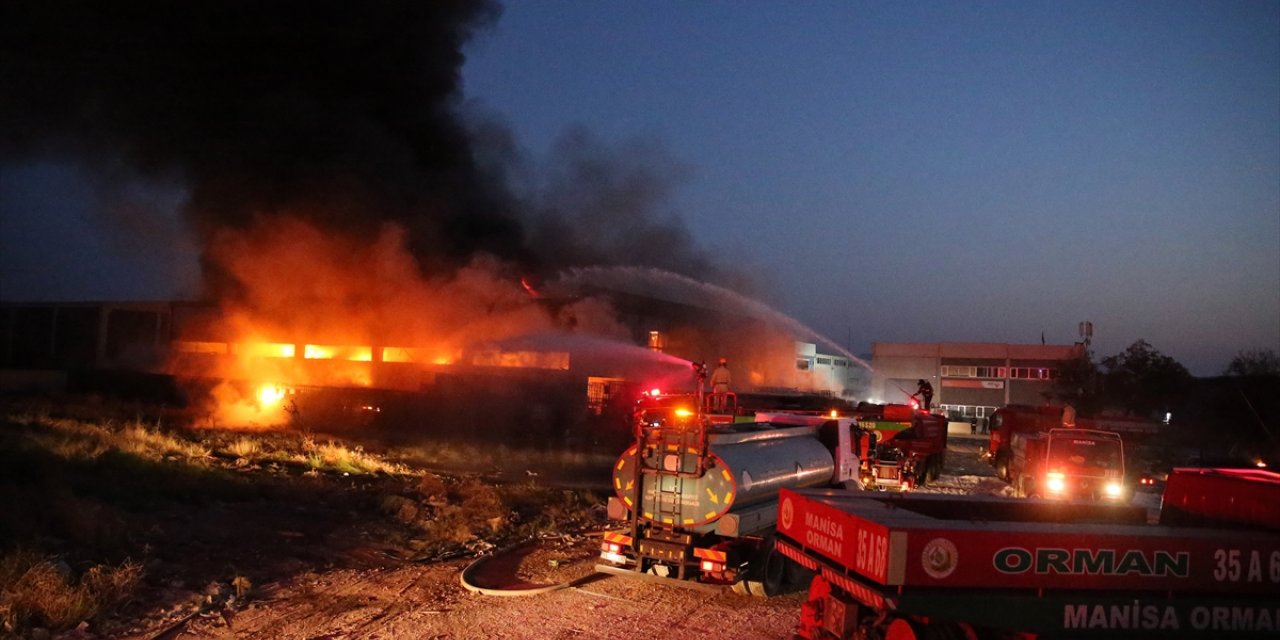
(923,566)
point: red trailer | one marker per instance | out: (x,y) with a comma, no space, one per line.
(1229,497)
(924,566)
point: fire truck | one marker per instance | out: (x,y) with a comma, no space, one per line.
(1035,419)
(910,449)
(913,566)
(1082,464)
(697,498)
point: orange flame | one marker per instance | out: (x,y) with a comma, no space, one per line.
(342,299)
(270,395)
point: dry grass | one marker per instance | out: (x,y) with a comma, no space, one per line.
(38,591)
(468,514)
(80,440)
(245,447)
(344,459)
(83,482)
(137,439)
(470,455)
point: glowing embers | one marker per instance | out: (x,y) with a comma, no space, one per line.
(265,350)
(417,354)
(336,352)
(558,360)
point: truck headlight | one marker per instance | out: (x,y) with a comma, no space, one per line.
(1055,482)
(1114,489)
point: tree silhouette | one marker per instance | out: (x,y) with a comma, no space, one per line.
(1078,384)
(1254,362)
(1141,380)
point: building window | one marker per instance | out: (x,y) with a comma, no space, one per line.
(657,341)
(963,412)
(802,364)
(1033,373)
(826,361)
(956,371)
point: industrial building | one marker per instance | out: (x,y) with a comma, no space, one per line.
(970,379)
(49,346)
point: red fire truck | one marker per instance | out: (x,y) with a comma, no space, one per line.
(911,446)
(1082,464)
(931,566)
(1013,419)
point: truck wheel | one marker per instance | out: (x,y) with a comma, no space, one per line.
(934,467)
(1027,487)
(775,573)
(1002,467)
(905,629)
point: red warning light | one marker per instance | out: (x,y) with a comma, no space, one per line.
(655,392)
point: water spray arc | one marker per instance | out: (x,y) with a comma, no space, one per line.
(680,288)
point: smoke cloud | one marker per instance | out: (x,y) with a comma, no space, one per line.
(341,114)
(337,185)
(346,116)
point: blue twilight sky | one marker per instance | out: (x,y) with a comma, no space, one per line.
(945,171)
(887,171)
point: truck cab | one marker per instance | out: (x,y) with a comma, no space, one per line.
(1073,464)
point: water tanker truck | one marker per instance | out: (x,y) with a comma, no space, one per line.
(698,499)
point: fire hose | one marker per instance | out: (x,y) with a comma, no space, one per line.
(467,577)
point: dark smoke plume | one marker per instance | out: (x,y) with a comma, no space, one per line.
(602,204)
(341,113)
(344,115)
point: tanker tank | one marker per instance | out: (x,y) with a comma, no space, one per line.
(747,464)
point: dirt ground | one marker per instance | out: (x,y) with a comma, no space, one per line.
(386,598)
(321,569)
(407,600)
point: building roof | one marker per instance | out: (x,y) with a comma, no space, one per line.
(975,350)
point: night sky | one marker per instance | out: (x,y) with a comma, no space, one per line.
(917,172)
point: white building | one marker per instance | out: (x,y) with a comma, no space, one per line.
(970,379)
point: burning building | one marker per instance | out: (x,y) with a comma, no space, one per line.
(356,229)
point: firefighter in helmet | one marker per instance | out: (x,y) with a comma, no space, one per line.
(924,393)
(720,381)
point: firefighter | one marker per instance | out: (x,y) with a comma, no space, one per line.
(924,394)
(1069,416)
(720,381)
